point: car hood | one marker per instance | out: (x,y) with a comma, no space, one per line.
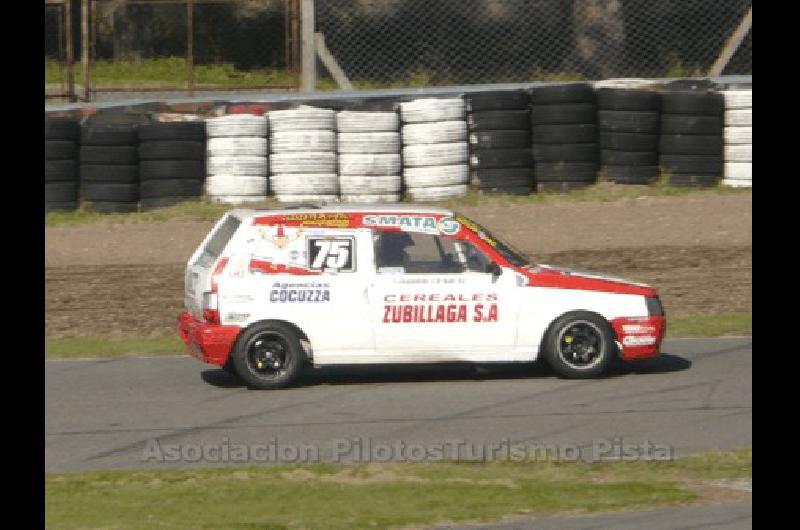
(541,275)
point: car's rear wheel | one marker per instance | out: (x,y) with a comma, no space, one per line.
(268,355)
(580,345)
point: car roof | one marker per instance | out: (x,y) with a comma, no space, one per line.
(244,213)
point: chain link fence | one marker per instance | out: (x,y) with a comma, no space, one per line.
(440,42)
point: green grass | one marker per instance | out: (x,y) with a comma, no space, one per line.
(714,325)
(373,495)
(87,347)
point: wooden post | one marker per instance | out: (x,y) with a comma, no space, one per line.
(190,45)
(735,40)
(309,55)
(85,49)
(68,54)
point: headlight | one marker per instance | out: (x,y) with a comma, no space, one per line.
(654,306)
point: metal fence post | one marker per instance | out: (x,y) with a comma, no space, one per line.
(190,45)
(85,49)
(309,54)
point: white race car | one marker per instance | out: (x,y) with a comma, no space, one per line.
(268,292)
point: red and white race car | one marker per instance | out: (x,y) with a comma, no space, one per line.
(270,291)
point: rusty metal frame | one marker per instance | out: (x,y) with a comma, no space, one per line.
(65,40)
(291,48)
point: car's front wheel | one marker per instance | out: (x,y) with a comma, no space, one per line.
(268,355)
(580,345)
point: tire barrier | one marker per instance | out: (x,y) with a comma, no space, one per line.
(690,146)
(738,138)
(435,151)
(564,136)
(303,154)
(369,156)
(629,124)
(172,165)
(109,177)
(60,164)
(499,142)
(237,162)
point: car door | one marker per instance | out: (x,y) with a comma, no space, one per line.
(432,299)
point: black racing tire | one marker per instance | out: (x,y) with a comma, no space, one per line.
(65,206)
(497,100)
(562,186)
(172,150)
(628,158)
(690,144)
(490,120)
(497,158)
(628,141)
(147,204)
(109,154)
(59,150)
(645,122)
(500,139)
(565,134)
(180,130)
(114,207)
(61,129)
(109,173)
(506,190)
(628,99)
(694,180)
(695,103)
(630,174)
(150,189)
(108,135)
(60,192)
(588,333)
(255,343)
(109,192)
(565,171)
(561,94)
(171,169)
(565,152)
(699,164)
(687,124)
(502,178)
(563,114)
(60,171)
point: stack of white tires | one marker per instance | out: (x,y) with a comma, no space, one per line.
(303,155)
(435,149)
(237,158)
(369,156)
(738,135)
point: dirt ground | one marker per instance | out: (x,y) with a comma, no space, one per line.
(127,279)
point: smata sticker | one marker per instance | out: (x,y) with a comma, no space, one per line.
(415,223)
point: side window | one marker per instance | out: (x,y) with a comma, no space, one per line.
(416,253)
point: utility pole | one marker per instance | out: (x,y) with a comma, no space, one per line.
(308,82)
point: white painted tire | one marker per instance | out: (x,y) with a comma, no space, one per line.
(236,199)
(435,133)
(311,162)
(737,183)
(738,171)
(304,184)
(236,125)
(369,184)
(364,121)
(418,177)
(236,185)
(372,198)
(250,166)
(738,135)
(307,197)
(739,118)
(237,146)
(738,153)
(432,109)
(435,154)
(302,141)
(386,164)
(369,142)
(302,119)
(438,193)
(738,99)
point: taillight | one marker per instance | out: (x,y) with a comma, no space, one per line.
(210,298)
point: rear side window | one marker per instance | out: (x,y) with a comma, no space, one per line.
(216,244)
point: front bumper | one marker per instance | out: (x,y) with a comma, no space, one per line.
(640,337)
(210,343)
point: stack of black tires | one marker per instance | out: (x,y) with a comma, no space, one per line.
(171,162)
(109,172)
(499,142)
(564,133)
(60,164)
(629,128)
(691,144)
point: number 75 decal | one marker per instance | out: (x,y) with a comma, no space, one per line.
(334,254)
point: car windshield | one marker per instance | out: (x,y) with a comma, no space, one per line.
(514,256)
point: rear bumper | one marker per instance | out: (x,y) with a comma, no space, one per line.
(640,337)
(210,343)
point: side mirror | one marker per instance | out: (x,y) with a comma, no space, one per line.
(494,269)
